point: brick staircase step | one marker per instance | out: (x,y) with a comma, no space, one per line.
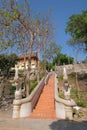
(41,115)
(45,105)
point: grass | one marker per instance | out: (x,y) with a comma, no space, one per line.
(61,95)
(79,97)
(60,78)
(33,84)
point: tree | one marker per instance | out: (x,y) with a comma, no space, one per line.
(52,51)
(62,59)
(19,28)
(46,33)
(7,62)
(77,28)
(85,60)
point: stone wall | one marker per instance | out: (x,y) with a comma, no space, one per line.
(81,67)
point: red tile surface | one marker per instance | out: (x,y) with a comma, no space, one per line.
(45,106)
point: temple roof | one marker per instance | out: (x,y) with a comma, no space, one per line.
(33,55)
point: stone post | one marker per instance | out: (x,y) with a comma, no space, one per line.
(16,105)
(66,85)
(68,112)
(18,96)
(68,109)
(16,111)
(16,73)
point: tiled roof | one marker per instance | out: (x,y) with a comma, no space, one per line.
(33,55)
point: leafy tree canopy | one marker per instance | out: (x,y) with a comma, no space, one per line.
(77,28)
(62,59)
(6,62)
(52,51)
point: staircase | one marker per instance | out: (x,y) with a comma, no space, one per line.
(45,106)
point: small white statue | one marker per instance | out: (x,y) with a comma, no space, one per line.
(16,73)
(66,85)
(67,94)
(65,77)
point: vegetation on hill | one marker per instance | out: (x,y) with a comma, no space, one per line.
(77,28)
(79,96)
(59,59)
(6,63)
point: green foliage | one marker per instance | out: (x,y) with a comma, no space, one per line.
(72,76)
(79,99)
(52,51)
(21,72)
(62,59)
(60,78)
(33,84)
(10,24)
(77,28)
(12,89)
(49,66)
(6,62)
(12,73)
(61,94)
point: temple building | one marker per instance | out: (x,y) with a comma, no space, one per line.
(33,61)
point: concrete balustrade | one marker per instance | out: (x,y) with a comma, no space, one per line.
(24,107)
(64,108)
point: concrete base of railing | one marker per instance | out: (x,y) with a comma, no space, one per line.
(24,107)
(64,108)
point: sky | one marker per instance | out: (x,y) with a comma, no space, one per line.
(61,11)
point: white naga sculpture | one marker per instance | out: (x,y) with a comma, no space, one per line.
(18,92)
(16,73)
(66,85)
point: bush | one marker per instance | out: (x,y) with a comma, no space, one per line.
(21,73)
(61,95)
(12,89)
(60,78)
(79,97)
(33,84)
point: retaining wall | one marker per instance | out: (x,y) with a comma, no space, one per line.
(81,68)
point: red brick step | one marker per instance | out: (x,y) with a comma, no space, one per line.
(45,106)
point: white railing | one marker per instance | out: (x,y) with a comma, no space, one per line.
(64,108)
(24,107)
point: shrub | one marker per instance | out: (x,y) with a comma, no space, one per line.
(33,84)
(12,89)
(60,78)
(79,98)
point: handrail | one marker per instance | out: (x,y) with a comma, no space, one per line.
(63,107)
(29,98)
(23,107)
(58,99)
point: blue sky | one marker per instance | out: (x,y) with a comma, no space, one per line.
(61,11)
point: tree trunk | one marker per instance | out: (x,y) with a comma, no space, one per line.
(38,75)
(44,56)
(29,63)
